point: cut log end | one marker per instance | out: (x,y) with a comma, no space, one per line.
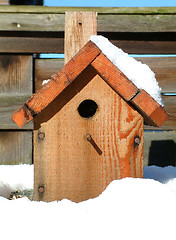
(22,116)
(152,112)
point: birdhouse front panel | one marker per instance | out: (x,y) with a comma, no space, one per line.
(99,138)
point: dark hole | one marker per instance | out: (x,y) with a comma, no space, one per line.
(87,108)
(162,153)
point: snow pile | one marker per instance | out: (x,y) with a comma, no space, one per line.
(15,177)
(140,74)
(127,209)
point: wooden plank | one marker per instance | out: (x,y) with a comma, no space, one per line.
(15,147)
(160,148)
(136,23)
(114,77)
(146,47)
(163,67)
(153,113)
(165,71)
(56,45)
(79,26)
(31,45)
(16,86)
(58,83)
(100,10)
(31,22)
(71,167)
(170,107)
(107,22)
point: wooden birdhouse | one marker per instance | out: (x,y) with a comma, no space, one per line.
(99,125)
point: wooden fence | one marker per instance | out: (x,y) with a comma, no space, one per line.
(27,31)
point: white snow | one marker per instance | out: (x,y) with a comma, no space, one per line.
(45,82)
(140,74)
(127,209)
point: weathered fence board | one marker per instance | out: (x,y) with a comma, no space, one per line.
(15,147)
(15,86)
(111,21)
(99,10)
(56,45)
(31,22)
(165,71)
(31,45)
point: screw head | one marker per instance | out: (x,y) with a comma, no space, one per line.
(41,135)
(137,140)
(88,137)
(41,189)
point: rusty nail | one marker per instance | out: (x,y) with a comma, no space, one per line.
(137,140)
(41,135)
(88,137)
(41,189)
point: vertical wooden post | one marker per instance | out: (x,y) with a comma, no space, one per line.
(79,26)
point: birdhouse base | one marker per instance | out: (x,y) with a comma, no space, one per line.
(94,138)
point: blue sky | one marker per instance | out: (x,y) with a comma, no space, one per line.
(111,3)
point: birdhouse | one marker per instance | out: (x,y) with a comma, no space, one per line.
(99,127)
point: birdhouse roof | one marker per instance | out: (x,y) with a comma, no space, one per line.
(152,112)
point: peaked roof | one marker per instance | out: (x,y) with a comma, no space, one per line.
(90,54)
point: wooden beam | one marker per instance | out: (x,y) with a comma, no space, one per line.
(152,112)
(57,84)
(22,18)
(99,10)
(79,26)
(56,45)
(114,77)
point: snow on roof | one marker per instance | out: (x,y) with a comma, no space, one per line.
(140,74)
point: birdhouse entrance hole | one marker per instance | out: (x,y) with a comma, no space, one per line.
(87,108)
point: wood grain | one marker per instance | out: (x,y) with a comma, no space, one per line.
(31,45)
(107,22)
(153,113)
(165,71)
(58,83)
(71,167)
(56,45)
(163,67)
(100,10)
(15,147)
(114,77)
(15,86)
(79,26)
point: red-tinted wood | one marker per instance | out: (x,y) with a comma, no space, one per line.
(153,113)
(114,77)
(58,83)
